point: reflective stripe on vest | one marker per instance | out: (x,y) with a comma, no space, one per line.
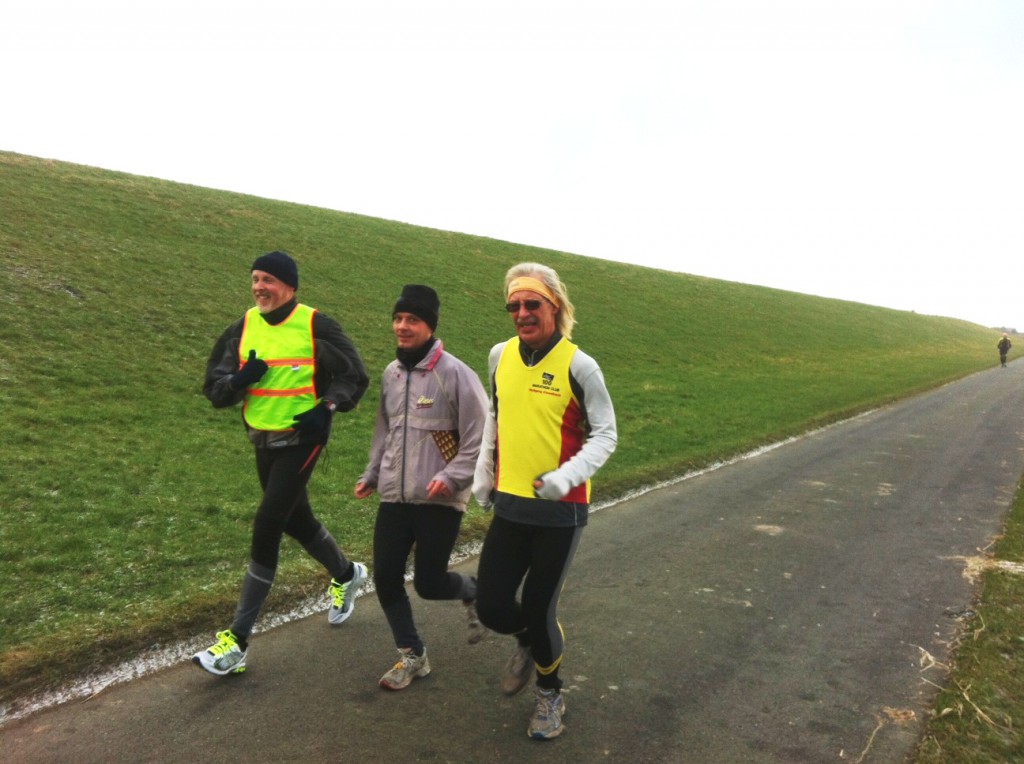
(287,388)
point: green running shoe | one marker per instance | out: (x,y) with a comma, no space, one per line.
(223,657)
(343,595)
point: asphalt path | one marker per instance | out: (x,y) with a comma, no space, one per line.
(795,606)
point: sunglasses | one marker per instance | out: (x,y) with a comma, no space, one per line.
(513,307)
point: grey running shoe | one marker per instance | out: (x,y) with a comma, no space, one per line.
(477,630)
(409,667)
(547,717)
(518,671)
(223,657)
(343,595)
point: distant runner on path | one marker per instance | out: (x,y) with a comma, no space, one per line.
(1004,348)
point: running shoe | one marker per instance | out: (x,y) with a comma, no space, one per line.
(343,595)
(547,717)
(518,671)
(409,667)
(477,630)
(223,657)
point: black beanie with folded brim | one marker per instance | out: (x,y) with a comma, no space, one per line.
(421,301)
(280,266)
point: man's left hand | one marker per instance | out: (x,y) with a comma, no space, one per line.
(315,421)
(551,486)
(437,488)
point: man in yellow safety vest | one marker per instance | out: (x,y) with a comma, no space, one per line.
(291,367)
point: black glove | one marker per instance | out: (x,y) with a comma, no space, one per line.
(252,371)
(315,422)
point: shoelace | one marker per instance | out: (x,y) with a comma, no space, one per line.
(338,590)
(224,644)
(546,705)
(407,661)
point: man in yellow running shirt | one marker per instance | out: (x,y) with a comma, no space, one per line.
(551,426)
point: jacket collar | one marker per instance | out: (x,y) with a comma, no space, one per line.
(424,357)
(532,357)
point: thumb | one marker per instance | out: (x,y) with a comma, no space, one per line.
(252,355)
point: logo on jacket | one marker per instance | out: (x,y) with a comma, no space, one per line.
(424,402)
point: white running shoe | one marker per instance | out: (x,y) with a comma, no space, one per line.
(547,717)
(409,667)
(223,657)
(343,595)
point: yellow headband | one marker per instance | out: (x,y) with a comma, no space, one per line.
(528,283)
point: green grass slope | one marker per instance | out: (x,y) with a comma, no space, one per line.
(127,500)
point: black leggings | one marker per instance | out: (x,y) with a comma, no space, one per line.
(538,557)
(433,530)
(285,508)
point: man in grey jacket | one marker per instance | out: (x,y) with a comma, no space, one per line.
(425,445)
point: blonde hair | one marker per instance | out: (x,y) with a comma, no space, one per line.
(566,317)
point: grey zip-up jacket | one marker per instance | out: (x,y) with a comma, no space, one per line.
(430,422)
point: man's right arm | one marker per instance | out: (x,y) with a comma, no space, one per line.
(221,365)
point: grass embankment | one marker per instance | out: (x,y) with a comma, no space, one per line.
(979,714)
(127,499)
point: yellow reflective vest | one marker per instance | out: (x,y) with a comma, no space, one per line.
(287,388)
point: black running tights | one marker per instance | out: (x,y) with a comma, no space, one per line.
(432,530)
(285,508)
(537,557)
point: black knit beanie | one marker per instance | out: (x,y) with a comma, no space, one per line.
(421,301)
(280,265)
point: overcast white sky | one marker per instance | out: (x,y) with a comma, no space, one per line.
(870,150)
